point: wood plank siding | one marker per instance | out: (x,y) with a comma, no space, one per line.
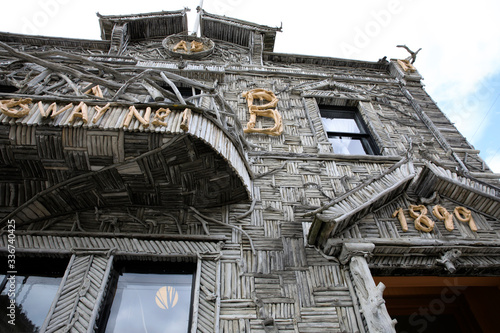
(117,150)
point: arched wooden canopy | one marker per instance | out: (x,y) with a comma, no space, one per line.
(53,167)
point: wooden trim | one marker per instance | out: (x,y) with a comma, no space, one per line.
(100,296)
(56,297)
(196,297)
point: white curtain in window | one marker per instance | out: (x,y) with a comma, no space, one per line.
(340,144)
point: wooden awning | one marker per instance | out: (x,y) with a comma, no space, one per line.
(341,213)
(469,192)
(53,166)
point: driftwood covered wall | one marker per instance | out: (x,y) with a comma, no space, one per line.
(266,218)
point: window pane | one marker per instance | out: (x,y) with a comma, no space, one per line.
(347,145)
(151,303)
(340,125)
(34,296)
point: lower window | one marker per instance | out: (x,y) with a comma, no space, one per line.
(148,298)
(26,297)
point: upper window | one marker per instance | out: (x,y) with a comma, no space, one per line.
(186,92)
(32,291)
(149,300)
(7,88)
(346,131)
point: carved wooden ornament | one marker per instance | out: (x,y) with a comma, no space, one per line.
(464,215)
(263,110)
(96,91)
(422,221)
(6,106)
(186,118)
(407,66)
(425,224)
(188,47)
(160,115)
(194,46)
(180,46)
(442,214)
(401,217)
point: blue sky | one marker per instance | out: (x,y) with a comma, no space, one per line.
(477,115)
(460,41)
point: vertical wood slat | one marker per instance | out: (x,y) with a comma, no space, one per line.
(79,264)
(196,299)
(84,275)
(208,299)
(217,294)
(100,295)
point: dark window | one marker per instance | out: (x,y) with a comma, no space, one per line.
(435,304)
(33,290)
(346,131)
(186,92)
(7,88)
(149,297)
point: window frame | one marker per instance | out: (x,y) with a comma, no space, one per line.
(347,112)
(144,267)
(43,267)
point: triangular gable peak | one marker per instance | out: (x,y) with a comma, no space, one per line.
(237,31)
(466,191)
(121,29)
(145,26)
(341,213)
(332,220)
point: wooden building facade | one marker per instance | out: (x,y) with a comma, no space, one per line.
(289,189)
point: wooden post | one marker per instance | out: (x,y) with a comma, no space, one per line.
(369,295)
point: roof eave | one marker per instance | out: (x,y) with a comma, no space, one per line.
(345,211)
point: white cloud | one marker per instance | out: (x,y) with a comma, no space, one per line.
(492,158)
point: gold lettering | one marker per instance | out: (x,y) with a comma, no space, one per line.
(55,113)
(401,217)
(464,215)
(442,214)
(425,224)
(100,112)
(422,221)
(80,111)
(160,116)
(44,113)
(196,46)
(134,113)
(181,45)
(263,110)
(96,91)
(186,117)
(6,106)
(52,110)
